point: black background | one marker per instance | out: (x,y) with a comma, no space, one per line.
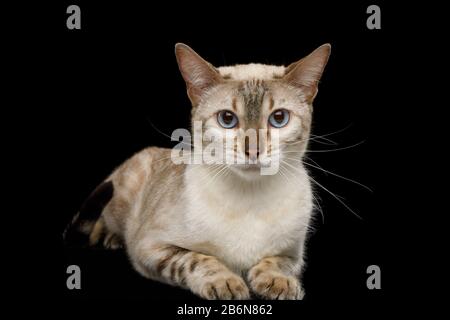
(116,80)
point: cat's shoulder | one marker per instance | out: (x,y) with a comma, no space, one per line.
(155,152)
(148,156)
(152,153)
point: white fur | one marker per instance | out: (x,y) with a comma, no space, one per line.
(257,220)
(223,214)
(252,71)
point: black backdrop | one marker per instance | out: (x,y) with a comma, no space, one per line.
(118,74)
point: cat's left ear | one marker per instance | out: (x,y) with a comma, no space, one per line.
(306,73)
(198,74)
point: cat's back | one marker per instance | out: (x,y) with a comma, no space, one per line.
(137,183)
(132,172)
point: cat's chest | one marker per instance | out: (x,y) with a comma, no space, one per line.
(241,231)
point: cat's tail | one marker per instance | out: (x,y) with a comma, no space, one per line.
(87,226)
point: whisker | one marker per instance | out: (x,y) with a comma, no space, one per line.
(316,138)
(339,176)
(164,134)
(328,150)
(338,131)
(339,149)
(204,178)
(316,163)
(282,167)
(332,173)
(323,136)
(316,201)
(331,193)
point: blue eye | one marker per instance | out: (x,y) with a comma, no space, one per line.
(279,118)
(227,119)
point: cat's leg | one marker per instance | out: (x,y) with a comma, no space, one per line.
(276,278)
(100,231)
(204,275)
(112,241)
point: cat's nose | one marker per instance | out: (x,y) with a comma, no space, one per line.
(252,149)
(252,153)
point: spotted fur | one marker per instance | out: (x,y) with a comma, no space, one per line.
(235,233)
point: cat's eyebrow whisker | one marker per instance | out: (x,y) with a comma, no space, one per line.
(166,135)
(331,193)
(332,173)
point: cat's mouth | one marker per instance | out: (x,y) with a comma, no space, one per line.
(254,166)
(249,167)
(263,166)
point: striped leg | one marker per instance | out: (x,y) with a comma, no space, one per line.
(276,278)
(205,275)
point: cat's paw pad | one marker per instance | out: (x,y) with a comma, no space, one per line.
(277,287)
(225,288)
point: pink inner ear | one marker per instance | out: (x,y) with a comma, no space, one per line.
(198,74)
(307,72)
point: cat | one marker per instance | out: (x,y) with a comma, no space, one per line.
(241,234)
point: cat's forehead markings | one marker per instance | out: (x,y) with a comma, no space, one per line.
(252,92)
(233,104)
(244,72)
(271,103)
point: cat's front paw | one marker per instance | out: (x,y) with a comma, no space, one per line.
(276,286)
(225,287)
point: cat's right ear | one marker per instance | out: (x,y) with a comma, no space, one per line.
(198,74)
(306,73)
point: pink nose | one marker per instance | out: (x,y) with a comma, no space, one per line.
(252,153)
(252,149)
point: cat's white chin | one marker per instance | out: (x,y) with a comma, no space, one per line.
(247,171)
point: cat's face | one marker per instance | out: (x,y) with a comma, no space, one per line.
(260,113)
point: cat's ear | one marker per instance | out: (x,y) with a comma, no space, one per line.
(198,74)
(306,73)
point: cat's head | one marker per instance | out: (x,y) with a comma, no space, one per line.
(273,102)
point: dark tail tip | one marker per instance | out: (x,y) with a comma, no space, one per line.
(78,230)
(75,235)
